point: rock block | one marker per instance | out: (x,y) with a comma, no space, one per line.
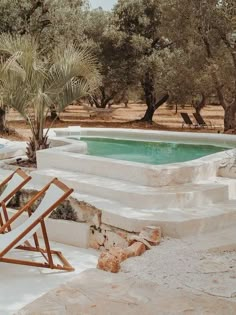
(119,253)
(136,238)
(151,234)
(108,262)
(136,249)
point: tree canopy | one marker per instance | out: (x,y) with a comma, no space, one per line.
(180,51)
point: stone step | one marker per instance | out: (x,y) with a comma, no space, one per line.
(174,221)
(231,185)
(138,196)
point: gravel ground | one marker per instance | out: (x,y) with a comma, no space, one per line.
(176,264)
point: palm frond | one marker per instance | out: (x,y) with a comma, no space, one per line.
(71,92)
(31,84)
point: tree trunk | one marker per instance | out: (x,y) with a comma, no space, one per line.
(148,116)
(35,145)
(200,105)
(176,109)
(53,113)
(151,101)
(230,117)
(101,101)
(2,120)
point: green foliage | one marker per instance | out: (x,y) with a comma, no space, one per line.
(135,29)
(51,22)
(31,84)
(64,212)
(203,30)
(114,82)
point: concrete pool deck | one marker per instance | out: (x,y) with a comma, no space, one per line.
(189,276)
(11,149)
(110,294)
(20,285)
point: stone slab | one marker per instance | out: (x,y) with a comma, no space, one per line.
(96,292)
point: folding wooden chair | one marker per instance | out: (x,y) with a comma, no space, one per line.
(10,186)
(187,121)
(201,121)
(52,195)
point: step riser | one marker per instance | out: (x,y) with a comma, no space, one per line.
(199,226)
(192,227)
(145,200)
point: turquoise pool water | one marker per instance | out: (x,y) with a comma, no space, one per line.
(147,152)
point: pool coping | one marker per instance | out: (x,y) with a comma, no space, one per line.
(68,154)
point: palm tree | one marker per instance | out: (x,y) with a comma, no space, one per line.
(32,84)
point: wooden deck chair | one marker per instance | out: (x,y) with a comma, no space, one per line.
(187,121)
(10,186)
(52,195)
(201,121)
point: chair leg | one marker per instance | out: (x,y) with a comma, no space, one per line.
(66,267)
(46,241)
(47,253)
(6,217)
(1,220)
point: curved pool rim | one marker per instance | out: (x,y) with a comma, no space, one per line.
(70,155)
(62,140)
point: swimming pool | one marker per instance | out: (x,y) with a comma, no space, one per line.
(147,152)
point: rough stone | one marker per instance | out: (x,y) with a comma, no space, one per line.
(108,262)
(119,253)
(105,227)
(113,239)
(136,249)
(93,244)
(151,234)
(96,239)
(99,237)
(96,220)
(136,238)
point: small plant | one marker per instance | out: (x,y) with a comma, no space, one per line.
(64,212)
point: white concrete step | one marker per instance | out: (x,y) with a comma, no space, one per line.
(138,196)
(231,185)
(174,221)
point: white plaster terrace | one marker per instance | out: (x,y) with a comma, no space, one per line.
(10,149)
(21,285)
(183,198)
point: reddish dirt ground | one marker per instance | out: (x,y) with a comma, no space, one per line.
(121,117)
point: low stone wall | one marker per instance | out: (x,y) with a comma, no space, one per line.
(100,237)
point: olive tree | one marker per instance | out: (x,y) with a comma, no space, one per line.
(111,61)
(135,30)
(206,33)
